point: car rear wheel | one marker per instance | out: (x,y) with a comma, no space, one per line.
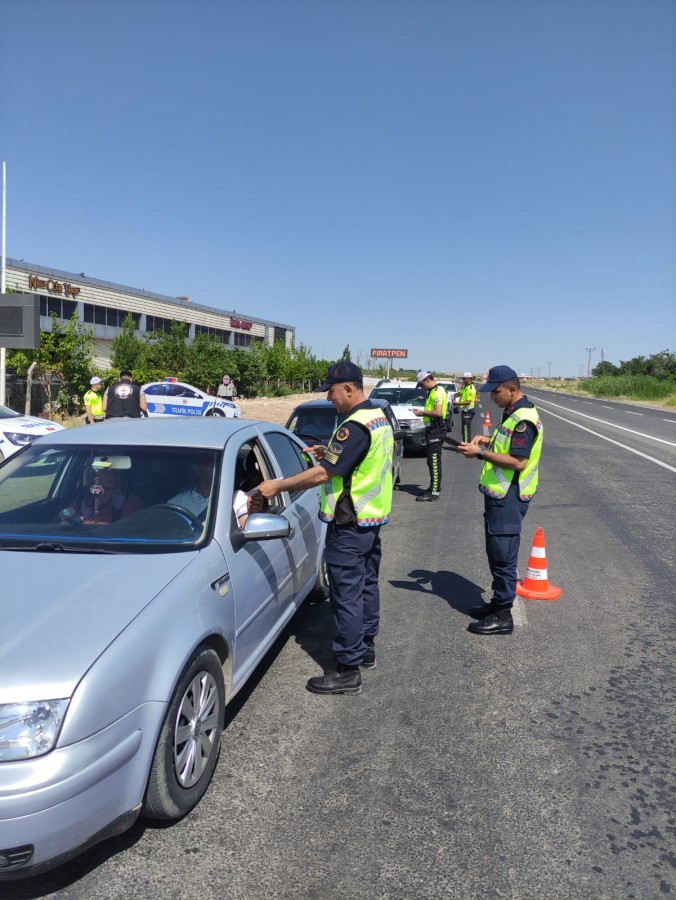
(189,742)
(216,413)
(320,591)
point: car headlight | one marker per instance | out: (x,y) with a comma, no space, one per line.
(29,729)
(20,438)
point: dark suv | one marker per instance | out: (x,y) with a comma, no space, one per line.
(316,420)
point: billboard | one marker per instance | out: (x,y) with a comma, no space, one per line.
(389,354)
(20,321)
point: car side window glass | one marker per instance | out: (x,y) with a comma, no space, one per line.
(289,456)
(251,468)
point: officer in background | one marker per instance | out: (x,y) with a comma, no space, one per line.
(509,480)
(434,417)
(466,404)
(93,401)
(124,400)
(355,474)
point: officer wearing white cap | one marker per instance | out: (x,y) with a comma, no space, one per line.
(434,417)
(355,474)
(466,405)
(509,480)
(93,401)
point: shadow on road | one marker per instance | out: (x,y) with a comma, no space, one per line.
(457,591)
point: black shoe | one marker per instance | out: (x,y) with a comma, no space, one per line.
(341,680)
(427,496)
(493,624)
(486,609)
(369,660)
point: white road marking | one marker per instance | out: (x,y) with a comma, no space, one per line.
(603,422)
(673,421)
(617,443)
(630,413)
(519,612)
(606,407)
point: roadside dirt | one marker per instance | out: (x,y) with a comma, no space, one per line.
(273,409)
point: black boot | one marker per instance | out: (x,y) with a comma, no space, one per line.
(369,660)
(341,680)
(495,623)
(486,609)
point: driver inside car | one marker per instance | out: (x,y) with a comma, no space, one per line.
(105,500)
(195,499)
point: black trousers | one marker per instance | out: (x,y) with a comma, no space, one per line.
(435,442)
(466,417)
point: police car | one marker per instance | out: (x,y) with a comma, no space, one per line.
(173,398)
(16,430)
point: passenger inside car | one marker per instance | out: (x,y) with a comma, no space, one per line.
(246,499)
(103,499)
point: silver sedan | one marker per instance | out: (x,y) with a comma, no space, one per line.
(142,585)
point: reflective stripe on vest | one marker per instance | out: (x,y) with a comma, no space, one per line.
(370,484)
(430,403)
(495,481)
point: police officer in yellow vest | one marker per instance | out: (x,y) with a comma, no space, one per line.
(355,474)
(509,480)
(93,402)
(466,405)
(434,416)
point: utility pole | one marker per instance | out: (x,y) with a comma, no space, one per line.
(549,370)
(589,350)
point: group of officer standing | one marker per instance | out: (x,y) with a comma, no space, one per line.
(355,478)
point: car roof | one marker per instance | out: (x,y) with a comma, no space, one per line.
(326,404)
(207,431)
(396,384)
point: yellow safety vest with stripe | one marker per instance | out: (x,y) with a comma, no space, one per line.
(468,395)
(94,400)
(495,481)
(370,484)
(435,394)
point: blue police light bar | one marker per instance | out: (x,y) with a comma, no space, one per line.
(20,321)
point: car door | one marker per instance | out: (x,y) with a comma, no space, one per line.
(263,573)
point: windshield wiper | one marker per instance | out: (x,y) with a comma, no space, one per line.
(49,547)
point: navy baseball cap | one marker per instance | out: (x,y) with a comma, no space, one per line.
(339,373)
(497,376)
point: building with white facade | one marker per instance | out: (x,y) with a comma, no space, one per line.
(104,306)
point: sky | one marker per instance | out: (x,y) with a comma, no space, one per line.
(478,182)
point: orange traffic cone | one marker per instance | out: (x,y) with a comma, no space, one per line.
(487,424)
(535,586)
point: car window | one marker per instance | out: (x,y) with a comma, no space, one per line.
(120,499)
(316,422)
(156,390)
(6,413)
(187,392)
(397,395)
(289,455)
(253,466)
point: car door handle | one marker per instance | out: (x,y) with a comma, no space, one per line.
(222,584)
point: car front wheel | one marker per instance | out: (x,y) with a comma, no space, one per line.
(189,742)
(216,413)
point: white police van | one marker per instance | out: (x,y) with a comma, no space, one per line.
(173,398)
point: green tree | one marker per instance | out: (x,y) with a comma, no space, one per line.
(605,368)
(252,369)
(63,362)
(207,362)
(167,352)
(128,350)
(346,354)
(277,361)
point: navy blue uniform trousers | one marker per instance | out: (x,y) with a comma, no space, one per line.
(352,558)
(502,523)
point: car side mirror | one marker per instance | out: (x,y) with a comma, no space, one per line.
(263,526)
(399,435)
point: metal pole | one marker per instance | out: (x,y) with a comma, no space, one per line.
(3,275)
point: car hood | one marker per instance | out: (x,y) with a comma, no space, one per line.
(29,425)
(404,412)
(59,612)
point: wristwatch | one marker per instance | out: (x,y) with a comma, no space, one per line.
(480,454)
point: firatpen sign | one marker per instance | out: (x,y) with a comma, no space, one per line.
(389,354)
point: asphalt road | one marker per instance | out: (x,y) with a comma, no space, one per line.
(538,765)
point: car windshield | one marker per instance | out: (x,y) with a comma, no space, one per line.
(400,395)
(8,413)
(118,499)
(314,423)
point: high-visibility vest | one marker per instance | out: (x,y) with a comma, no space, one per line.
(434,395)
(369,486)
(94,400)
(468,395)
(495,481)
